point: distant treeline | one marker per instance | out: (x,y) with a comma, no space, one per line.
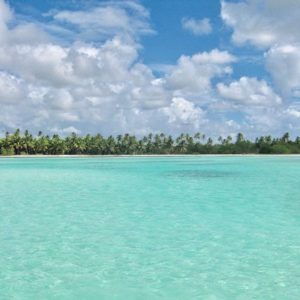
(20,144)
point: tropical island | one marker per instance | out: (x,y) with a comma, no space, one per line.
(18,143)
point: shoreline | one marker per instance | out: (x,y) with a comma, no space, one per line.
(144,155)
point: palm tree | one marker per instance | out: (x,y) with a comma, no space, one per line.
(16,143)
(285,138)
(240,138)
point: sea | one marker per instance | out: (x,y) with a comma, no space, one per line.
(161,227)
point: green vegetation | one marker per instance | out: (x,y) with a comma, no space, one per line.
(22,144)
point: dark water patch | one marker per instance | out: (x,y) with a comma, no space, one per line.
(201,174)
(206,163)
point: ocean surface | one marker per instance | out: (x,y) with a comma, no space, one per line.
(190,227)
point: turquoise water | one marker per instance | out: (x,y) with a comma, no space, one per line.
(150,228)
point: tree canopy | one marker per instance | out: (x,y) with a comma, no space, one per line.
(18,143)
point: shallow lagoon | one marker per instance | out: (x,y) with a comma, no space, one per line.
(195,227)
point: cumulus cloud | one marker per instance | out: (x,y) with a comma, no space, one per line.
(185,112)
(90,87)
(59,85)
(5,13)
(59,99)
(292,111)
(193,74)
(12,89)
(271,26)
(5,16)
(197,27)
(249,91)
(283,63)
(21,33)
(262,23)
(97,82)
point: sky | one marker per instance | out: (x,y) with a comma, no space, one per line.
(217,67)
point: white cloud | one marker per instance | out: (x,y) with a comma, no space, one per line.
(262,23)
(81,83)
(5,16)
(153,95)
(185,112)
(104,86)
(59,99)
(293,111)
(193,74)
(65,131)
(271,25)
(197,27)
(21,33)
(108,19)
(249,91)
(5,12)
(12,89)
(283,63)
(265,120)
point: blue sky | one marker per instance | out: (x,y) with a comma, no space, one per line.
(218,67)
(170,39)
